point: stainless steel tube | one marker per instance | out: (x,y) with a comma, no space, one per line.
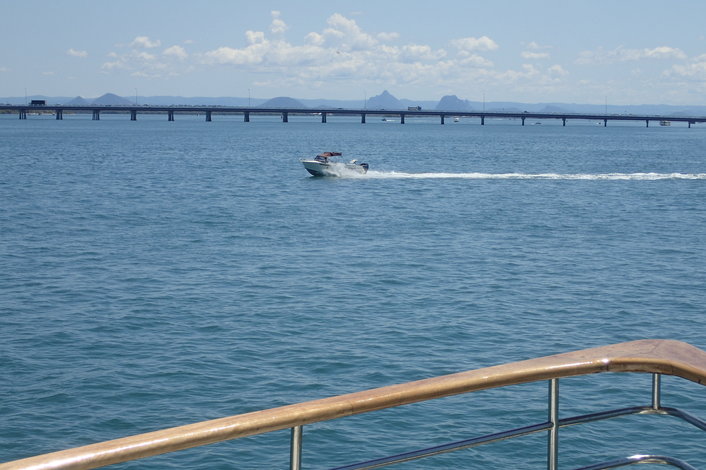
(295,454)
(553,438)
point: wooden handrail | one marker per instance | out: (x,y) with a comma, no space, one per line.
(667,357)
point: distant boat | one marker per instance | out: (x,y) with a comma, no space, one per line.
(323,165)
(665,123)
(457,119)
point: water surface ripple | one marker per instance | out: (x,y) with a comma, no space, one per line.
(159,273)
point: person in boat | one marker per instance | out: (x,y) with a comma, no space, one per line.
(323,157)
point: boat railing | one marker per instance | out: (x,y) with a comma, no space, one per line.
(656,357)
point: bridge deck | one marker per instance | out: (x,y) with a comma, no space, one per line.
(58,110)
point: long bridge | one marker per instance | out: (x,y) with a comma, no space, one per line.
(170,111)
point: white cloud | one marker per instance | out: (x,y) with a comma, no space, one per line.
(343,52)
(176,51)
(333,46)
(229,55)
(535,51)
(386,37)
(483,43)
(283,54)
(664,52)
(145,42)
(315,39)
(621,54)
(414,52)
(530,69)
(278,26)
(255,37)
(144,56)
(77,53)
(348,34)
(535,46)
(557,71)
(474,60)
(139,63)
(114,65)
(534,55)
(696,69)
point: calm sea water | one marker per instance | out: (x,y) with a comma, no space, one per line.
(155,273)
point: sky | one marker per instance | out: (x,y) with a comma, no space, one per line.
(593,52)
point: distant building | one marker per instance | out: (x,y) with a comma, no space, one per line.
(38,103)
(414,108)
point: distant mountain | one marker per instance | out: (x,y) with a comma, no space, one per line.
(78,101)
(453,103)
(109,99)
(509,109)
(384,101)
(282,102)
(326,103)
(550,108)
(196,101)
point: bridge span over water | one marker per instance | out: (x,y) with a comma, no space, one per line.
(209,111)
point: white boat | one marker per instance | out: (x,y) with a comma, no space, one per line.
(324,164)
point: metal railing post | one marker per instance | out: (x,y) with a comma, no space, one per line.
(295,452)
(553,437)
(656,393)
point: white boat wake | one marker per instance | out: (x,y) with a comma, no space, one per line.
(372,174)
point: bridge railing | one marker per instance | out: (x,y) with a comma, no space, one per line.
(658,357)
(246,111)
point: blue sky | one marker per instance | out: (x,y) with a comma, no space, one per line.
(620,51)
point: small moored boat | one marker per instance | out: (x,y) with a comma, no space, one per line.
(325,164)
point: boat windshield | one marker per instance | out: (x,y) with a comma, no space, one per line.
(323,157)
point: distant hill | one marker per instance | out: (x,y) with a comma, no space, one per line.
(326,103)
(282,102)
(384,101)
(197,101)
(550,108)
(78,101)
(453,103)
(109,99)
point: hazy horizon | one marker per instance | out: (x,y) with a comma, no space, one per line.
(161,100)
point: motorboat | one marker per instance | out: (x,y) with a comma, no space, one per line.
(326,164)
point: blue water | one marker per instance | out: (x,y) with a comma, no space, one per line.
(155,273)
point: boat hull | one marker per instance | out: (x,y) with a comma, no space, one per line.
(316,168)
